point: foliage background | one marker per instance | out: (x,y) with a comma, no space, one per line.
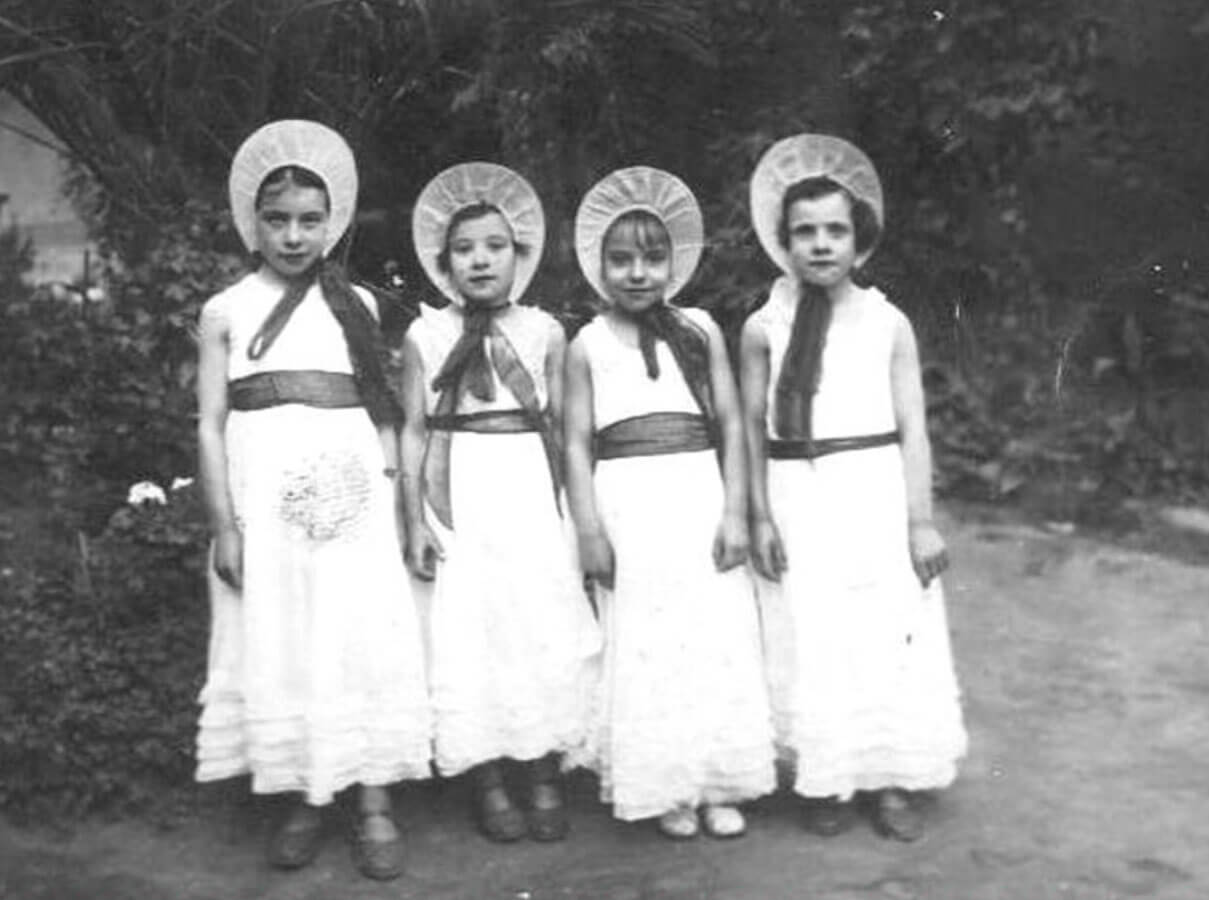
(1046,167)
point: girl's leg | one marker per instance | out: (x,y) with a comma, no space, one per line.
(499,819)
(377,849)
(547,815)
(296,841)
(828,816)
(895,816)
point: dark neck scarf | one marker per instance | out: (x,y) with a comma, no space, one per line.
(482,348)
(803,365)
(360,330)
(467,363)
(689,346)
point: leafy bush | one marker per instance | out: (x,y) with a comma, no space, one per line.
(102,394)
(101,661)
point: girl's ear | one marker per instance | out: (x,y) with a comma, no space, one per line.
(860,259)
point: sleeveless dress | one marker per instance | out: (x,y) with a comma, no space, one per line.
(859,663)
(513,644)
(683,716)
(316,669)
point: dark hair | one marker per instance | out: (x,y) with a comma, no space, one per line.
(291,176)
(468,213)
(866,229)
(649,230)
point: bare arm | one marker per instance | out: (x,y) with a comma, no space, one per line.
(556,351)
(730,545)
(928,554)
(213,347)
(595,551)
(768,553)
(423,548)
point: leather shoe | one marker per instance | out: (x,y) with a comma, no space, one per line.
(896,818)
(378,858)
(296,842)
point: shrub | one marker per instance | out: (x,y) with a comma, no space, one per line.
(101,660)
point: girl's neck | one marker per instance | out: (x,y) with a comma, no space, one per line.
(496,308)
(841,294)
(275,278)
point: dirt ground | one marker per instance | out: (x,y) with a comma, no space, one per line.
(1086,680)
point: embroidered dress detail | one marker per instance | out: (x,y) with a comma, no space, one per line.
(327,496)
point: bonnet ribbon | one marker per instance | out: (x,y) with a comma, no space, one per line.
(802,366)
(360,330)
(467,367)
(689,346)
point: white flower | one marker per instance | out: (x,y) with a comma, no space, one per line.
(179,483)
(146,492)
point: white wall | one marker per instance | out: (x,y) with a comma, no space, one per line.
(31,174)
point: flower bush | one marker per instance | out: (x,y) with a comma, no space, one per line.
(101,660)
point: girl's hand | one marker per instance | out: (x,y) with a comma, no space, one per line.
(424,551)
(767,551)
(228,557)
(596,558)
(730,543)
(928,554)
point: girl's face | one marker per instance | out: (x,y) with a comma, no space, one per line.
(291,228)
(635,268)
(822,240)
(482,259)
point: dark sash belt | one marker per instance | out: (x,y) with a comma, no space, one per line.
(492,421)
(654,434)
(327,390)
(799,449)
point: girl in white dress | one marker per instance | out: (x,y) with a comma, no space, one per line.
(316,672)
(860,669)
(652,414)
(512,639)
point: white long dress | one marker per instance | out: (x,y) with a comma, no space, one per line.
(860,668)
(683,715)
(316,670)
(514,645)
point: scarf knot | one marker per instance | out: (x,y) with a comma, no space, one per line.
(689,346)
(468,363)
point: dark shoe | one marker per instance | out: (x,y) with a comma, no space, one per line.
(296,842)
(499,821)
(827,817)
(378,858)
(548,821)
(895,817)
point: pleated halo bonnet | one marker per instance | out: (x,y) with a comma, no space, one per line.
(293,142)
(802,156)
(465,185)
(640,188)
